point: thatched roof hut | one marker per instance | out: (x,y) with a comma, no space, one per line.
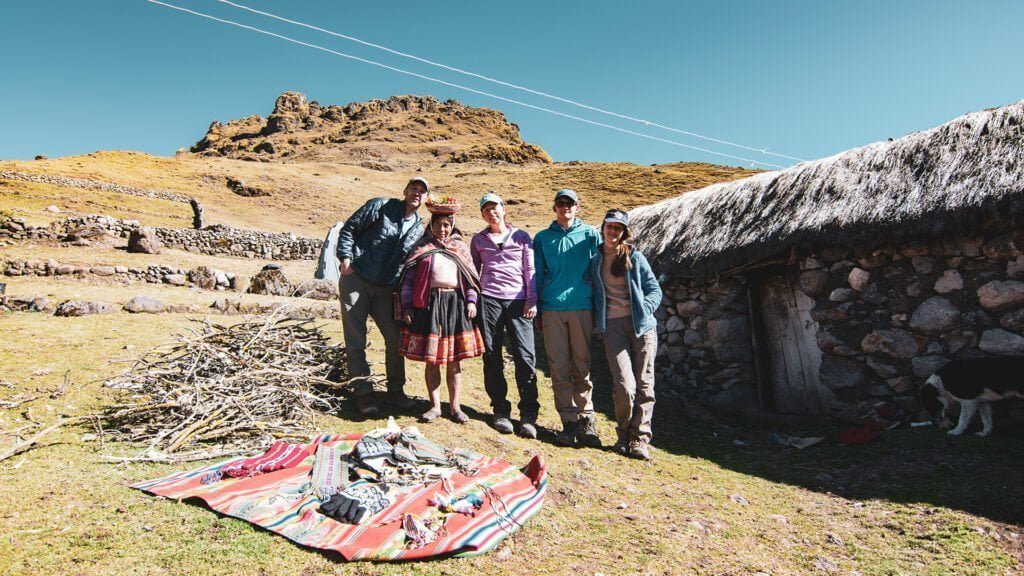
(928,183)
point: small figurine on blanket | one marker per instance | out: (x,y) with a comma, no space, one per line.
(421,531)
(467,504)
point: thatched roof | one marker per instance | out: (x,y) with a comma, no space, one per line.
(927,183)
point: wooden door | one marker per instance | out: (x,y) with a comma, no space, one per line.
(788,345)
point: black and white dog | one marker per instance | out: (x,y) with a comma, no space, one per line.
(973,383)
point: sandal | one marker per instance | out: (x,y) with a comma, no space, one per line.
(460,417)
(430,415)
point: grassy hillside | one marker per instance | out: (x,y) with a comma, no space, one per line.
(308,198)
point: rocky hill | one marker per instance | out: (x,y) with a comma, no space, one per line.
(399,133)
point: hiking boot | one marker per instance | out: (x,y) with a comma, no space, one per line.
(588,434)
(502,423)
(567,437)
(621,446)
(638,449)
(365,404)
(399,400)
(528,427)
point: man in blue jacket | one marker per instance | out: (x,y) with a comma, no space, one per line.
(562,255)
(372,245)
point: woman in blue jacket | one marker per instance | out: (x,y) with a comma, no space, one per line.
(626,294)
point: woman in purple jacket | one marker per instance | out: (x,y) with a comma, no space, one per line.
(503,255)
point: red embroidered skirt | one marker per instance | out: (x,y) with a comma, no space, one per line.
(442,332)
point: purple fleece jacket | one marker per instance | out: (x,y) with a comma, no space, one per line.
(505,272)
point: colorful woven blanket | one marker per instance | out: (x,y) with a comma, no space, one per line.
(411,528)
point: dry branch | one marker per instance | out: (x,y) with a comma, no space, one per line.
(27,444)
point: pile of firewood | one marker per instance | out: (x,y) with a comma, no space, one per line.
(227,389)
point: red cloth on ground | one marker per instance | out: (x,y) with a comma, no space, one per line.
(281,455)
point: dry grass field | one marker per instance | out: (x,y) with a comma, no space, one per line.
(720,497)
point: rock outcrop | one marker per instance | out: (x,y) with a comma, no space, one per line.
(397,133)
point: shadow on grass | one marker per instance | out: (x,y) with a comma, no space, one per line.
(980,476)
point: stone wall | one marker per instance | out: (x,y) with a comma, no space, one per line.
(129,275)
(90,184)
(887,318)
(705,342)
(220,239)
(216,239)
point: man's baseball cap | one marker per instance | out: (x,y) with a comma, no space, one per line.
(567,193)
(489,198)
(421,180)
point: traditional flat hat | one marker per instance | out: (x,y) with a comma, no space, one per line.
(445,205)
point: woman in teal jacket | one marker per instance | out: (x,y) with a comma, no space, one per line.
(626,294)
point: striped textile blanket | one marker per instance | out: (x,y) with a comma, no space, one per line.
(282,502)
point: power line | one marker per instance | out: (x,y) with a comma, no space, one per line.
(508,84)
(459,86)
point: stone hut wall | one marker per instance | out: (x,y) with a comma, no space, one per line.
(887,318)
(704,335)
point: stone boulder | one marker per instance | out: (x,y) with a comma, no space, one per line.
(1001,343)
(729,337)
(82,308)
(1005,247)
(1013,321)
(841,373)
(27,303)
(271,280)
(813,282)
(935,315)
(956,341)
(842,295)
(144,241)
(242,189)
(997,295)
(102,270)
(859,279)
(675,324)
(1015,269)
(175,279)
(290,113)
(925,366)
(689,308)
(203,278)
(318,290)
(894,343)
(87,234)
(950,281)
(145,305)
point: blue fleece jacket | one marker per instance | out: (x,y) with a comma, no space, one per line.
(562,258)
(644,293)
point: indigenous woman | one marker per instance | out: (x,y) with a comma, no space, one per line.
(508,301)
(439,291)
(626,294)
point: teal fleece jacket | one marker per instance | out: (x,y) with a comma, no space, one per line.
(562,259)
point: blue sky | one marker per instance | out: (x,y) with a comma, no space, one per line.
(802,78)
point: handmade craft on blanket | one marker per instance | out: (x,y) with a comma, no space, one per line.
(401,497)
